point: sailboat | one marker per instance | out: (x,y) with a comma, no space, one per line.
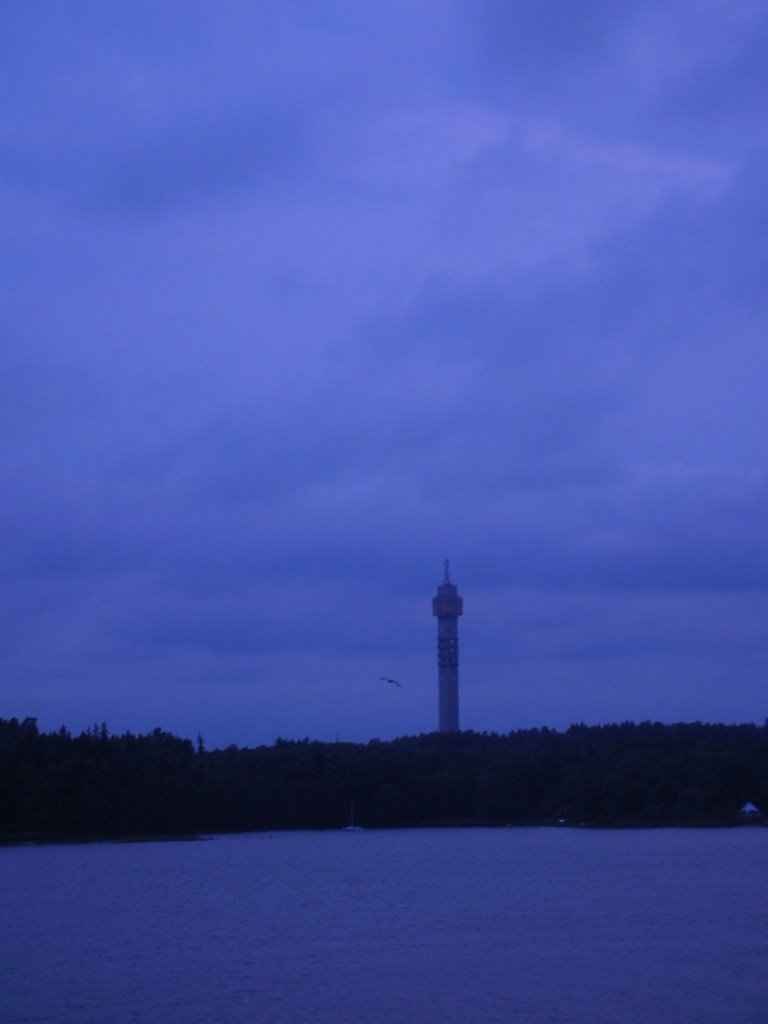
(352,827)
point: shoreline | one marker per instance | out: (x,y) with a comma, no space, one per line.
(54,839)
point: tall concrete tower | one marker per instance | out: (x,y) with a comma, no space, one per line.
(448,606)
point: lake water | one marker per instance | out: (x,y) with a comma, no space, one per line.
(427,926)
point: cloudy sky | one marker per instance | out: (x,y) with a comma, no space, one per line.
(301,297)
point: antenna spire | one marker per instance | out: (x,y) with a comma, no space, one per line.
(447,571)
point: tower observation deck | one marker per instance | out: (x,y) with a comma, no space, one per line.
(448,606)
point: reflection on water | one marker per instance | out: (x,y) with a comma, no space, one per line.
(476,925)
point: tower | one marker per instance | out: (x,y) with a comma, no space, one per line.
(448,606)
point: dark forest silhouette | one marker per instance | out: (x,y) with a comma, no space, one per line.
(56,785)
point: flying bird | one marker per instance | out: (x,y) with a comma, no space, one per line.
(394,682)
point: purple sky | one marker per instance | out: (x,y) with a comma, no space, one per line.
(303,296)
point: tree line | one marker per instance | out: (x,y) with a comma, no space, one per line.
(97,784)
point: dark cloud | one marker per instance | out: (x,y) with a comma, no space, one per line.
(550,35)
(727,94)
(250,150)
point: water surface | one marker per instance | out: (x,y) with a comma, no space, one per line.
(427,926)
